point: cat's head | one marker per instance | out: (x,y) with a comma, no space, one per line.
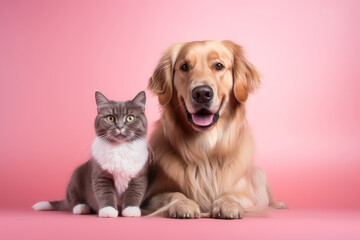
(120,121)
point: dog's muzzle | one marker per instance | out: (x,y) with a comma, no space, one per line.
(202,119)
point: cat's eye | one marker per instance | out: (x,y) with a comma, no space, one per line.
(110,118)
(130,118)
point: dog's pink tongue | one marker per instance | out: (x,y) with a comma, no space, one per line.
(202,120)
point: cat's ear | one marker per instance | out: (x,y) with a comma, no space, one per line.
(100,99)
(140,99)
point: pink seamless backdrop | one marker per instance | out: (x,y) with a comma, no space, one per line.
(305,117)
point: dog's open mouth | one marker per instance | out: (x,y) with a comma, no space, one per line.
(203,119)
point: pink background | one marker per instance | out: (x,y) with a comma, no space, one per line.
(305,117)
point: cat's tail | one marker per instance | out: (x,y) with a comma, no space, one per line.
(51,206)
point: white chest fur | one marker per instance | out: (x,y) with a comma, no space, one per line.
(124,161)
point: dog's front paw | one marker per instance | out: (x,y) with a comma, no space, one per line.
(227,208)
(108,212)
(185,208)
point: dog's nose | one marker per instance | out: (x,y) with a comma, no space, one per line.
(202,94)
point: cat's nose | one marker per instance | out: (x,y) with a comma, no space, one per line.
(120,128)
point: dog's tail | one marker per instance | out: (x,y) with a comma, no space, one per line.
(161,212)
(164,211)
(51,206)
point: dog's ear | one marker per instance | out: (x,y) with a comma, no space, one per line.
(246,77)
(161,81)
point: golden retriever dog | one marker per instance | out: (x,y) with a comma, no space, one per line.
(202,144)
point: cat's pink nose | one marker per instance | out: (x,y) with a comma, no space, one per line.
(120,128)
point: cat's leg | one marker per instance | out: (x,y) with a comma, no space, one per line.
(80,209)
(105,194)
(75,201)
(134,195)
(74,196)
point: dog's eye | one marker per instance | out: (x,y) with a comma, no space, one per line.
(219,66)
(184,67)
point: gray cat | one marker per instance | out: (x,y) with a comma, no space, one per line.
(115,177)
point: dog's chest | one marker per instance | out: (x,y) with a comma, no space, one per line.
(124,161)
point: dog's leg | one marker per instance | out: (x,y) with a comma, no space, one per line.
(230,206)
(263,192)
(174,205)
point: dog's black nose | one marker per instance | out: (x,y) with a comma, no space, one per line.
(202,94)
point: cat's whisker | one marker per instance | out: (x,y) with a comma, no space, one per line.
(103,137)
(83,149)
(106,141)
(147,144)
(149,147)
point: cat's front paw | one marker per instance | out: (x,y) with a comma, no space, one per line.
(108,212)
(131,212)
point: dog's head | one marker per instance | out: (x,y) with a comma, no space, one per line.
(203,77)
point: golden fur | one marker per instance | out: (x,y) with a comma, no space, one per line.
(211,172)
